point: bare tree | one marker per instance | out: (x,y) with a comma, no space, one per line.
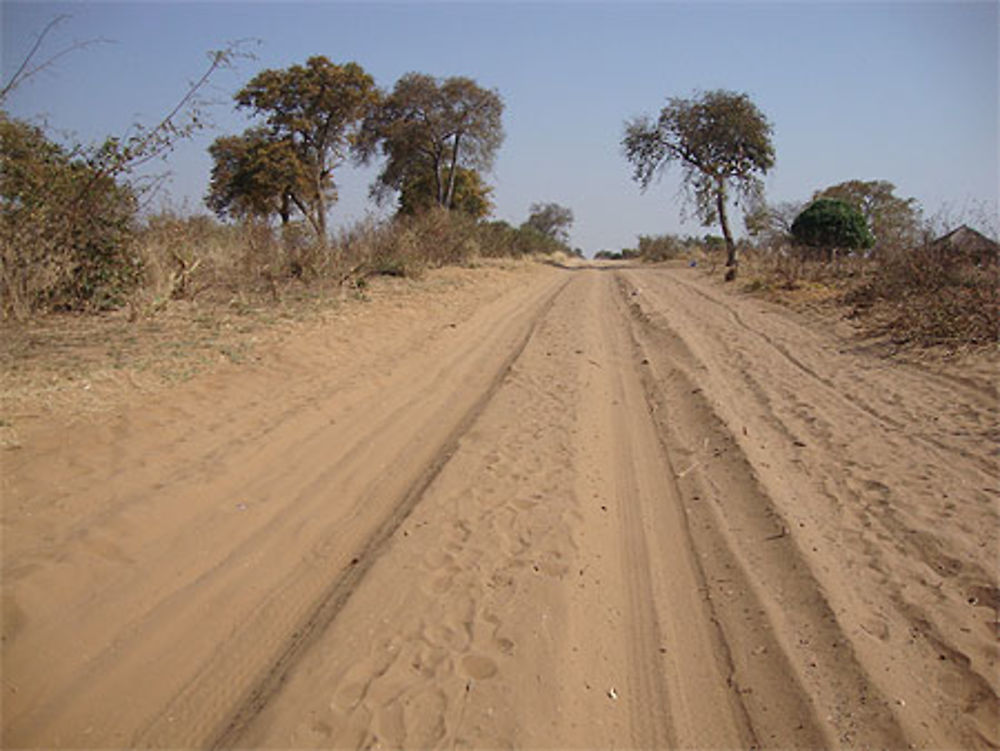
(771,224)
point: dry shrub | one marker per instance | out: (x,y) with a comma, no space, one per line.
(929,295)
(921,296)
(658,248)
(440,237)
(31,268)
(197,258)
(189,257)
(770,268)
(407,245)
(186,257)
(788,267)
(65,228)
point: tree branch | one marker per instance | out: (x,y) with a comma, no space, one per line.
(24,72)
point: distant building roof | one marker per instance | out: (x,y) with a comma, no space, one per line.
(974,245)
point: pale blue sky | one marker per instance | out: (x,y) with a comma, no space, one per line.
(900,91)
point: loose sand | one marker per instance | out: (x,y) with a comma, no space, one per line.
(592,508)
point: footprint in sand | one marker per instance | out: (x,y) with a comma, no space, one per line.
(444,569)
(438,559)
(550,568)
(479,667)
(442,635)
(412,721)
(506,646)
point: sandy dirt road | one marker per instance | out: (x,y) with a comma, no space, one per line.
(591,508)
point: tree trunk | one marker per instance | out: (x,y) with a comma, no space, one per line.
(321,220)
(451,177)
(320,223)
(320,230)
(720,205)
(438,182)
(286,208)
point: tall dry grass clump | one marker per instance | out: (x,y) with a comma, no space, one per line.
(786,267)
(187,258)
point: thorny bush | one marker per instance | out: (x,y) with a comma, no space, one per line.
(930,295)
(65,228)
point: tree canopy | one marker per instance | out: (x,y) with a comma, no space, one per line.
(311,116)
(720,139)
(471,195)
(255,175)
(890,219)
(551,219)
(829,223)
(429,127)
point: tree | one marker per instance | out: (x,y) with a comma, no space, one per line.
(471,194)
(891,220)
(433,128)
(551,219)
(771,224)
(720,139)
(255,175)
(830,224)
(312,115)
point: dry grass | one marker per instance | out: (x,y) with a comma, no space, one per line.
(62,361)
(212,294)
(910,297)
(81,365)
(929,297)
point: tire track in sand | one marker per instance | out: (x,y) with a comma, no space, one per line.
(791,665)
(330,602)
(543,593)
(678,664)
(220,575)
(860,593)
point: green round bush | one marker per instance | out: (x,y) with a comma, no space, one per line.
(829,223)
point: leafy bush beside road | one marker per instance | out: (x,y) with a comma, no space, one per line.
(66,228)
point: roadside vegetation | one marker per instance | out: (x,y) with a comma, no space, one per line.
(865,253)
(916,282)
(92,280)
(77,235)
